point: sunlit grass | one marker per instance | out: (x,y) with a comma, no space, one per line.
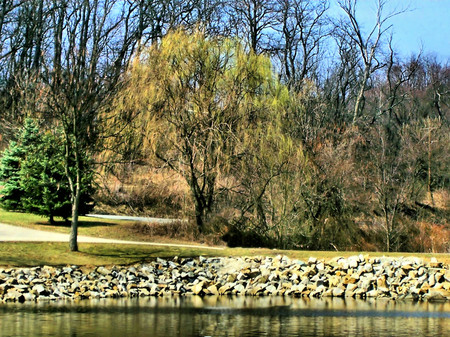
(45,253)
(57,253)
(88,226)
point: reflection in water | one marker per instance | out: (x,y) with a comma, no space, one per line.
(226,316)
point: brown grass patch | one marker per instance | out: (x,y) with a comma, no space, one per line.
(178,231)
(143,190)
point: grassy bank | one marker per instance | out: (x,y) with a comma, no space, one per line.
(44,253)
(105,228)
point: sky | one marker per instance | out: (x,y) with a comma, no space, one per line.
(425,25)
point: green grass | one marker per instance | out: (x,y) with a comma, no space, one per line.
(57,253)
(88,226)
(21,254)
(44,253)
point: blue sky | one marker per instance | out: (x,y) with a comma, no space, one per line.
(425,24)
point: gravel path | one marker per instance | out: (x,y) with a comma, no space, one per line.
(15,233)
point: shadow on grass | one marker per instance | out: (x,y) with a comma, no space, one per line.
(142,253)
(86,224)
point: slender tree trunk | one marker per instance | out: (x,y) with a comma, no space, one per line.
(388,233)
(430,192)
(360,97)
(73,239)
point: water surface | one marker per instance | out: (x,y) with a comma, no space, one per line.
(226,316)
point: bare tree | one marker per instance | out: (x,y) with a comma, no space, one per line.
(302,26)
(93,42)
(389,92)
(368,44)
(341,80)
(252,20)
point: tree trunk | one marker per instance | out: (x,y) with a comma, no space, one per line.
(73,238)
(360,97)
(199,213)
(430,192)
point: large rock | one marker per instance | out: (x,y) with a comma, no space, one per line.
(356,276)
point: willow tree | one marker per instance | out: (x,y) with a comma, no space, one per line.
(191,96)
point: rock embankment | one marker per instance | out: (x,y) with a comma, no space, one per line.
(356,276)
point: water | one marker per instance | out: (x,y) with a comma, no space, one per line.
(225,316)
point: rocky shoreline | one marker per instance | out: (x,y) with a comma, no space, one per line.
(355,276)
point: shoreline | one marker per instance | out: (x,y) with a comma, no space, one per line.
(356,277)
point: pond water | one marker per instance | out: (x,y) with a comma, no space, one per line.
(225,316)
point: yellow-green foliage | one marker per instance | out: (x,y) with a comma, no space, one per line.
(271,174)
(195,101)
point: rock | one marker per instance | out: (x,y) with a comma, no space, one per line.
(257,289)
(437,295)
(29,297)
(420,271)
(154,290)
(446,285)
(361,292)
(447,275)
(238,289)
(338,292)
(438,277)
(434,263)
(349,293)
(103,271)
(320,266)
(353,261)
(333,281)
(298,288)
(410,297)
(312,260)
(40,290)
(356,276)
(212,290)
(431,280)
(271,289)
(14,295)
(372,293)
(298,262)
(351,287)
(368,267)
(225,288)
(327,293)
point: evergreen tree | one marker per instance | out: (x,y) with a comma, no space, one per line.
(33,176)
(11,193)
(10,167)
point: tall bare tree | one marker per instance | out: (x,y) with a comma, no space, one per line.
(252,20)
(302,26)
(93,41)
(369,44)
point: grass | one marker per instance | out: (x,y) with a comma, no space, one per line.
(20,254)
(57,253)
(44,253)
(96,227)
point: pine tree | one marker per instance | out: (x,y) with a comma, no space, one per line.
(11,192)
(33,176)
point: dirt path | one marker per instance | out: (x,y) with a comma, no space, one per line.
(15,233)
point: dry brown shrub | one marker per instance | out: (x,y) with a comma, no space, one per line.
(145,191)
(433,238)
(178,230)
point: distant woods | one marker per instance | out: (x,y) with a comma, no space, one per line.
(292,125)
